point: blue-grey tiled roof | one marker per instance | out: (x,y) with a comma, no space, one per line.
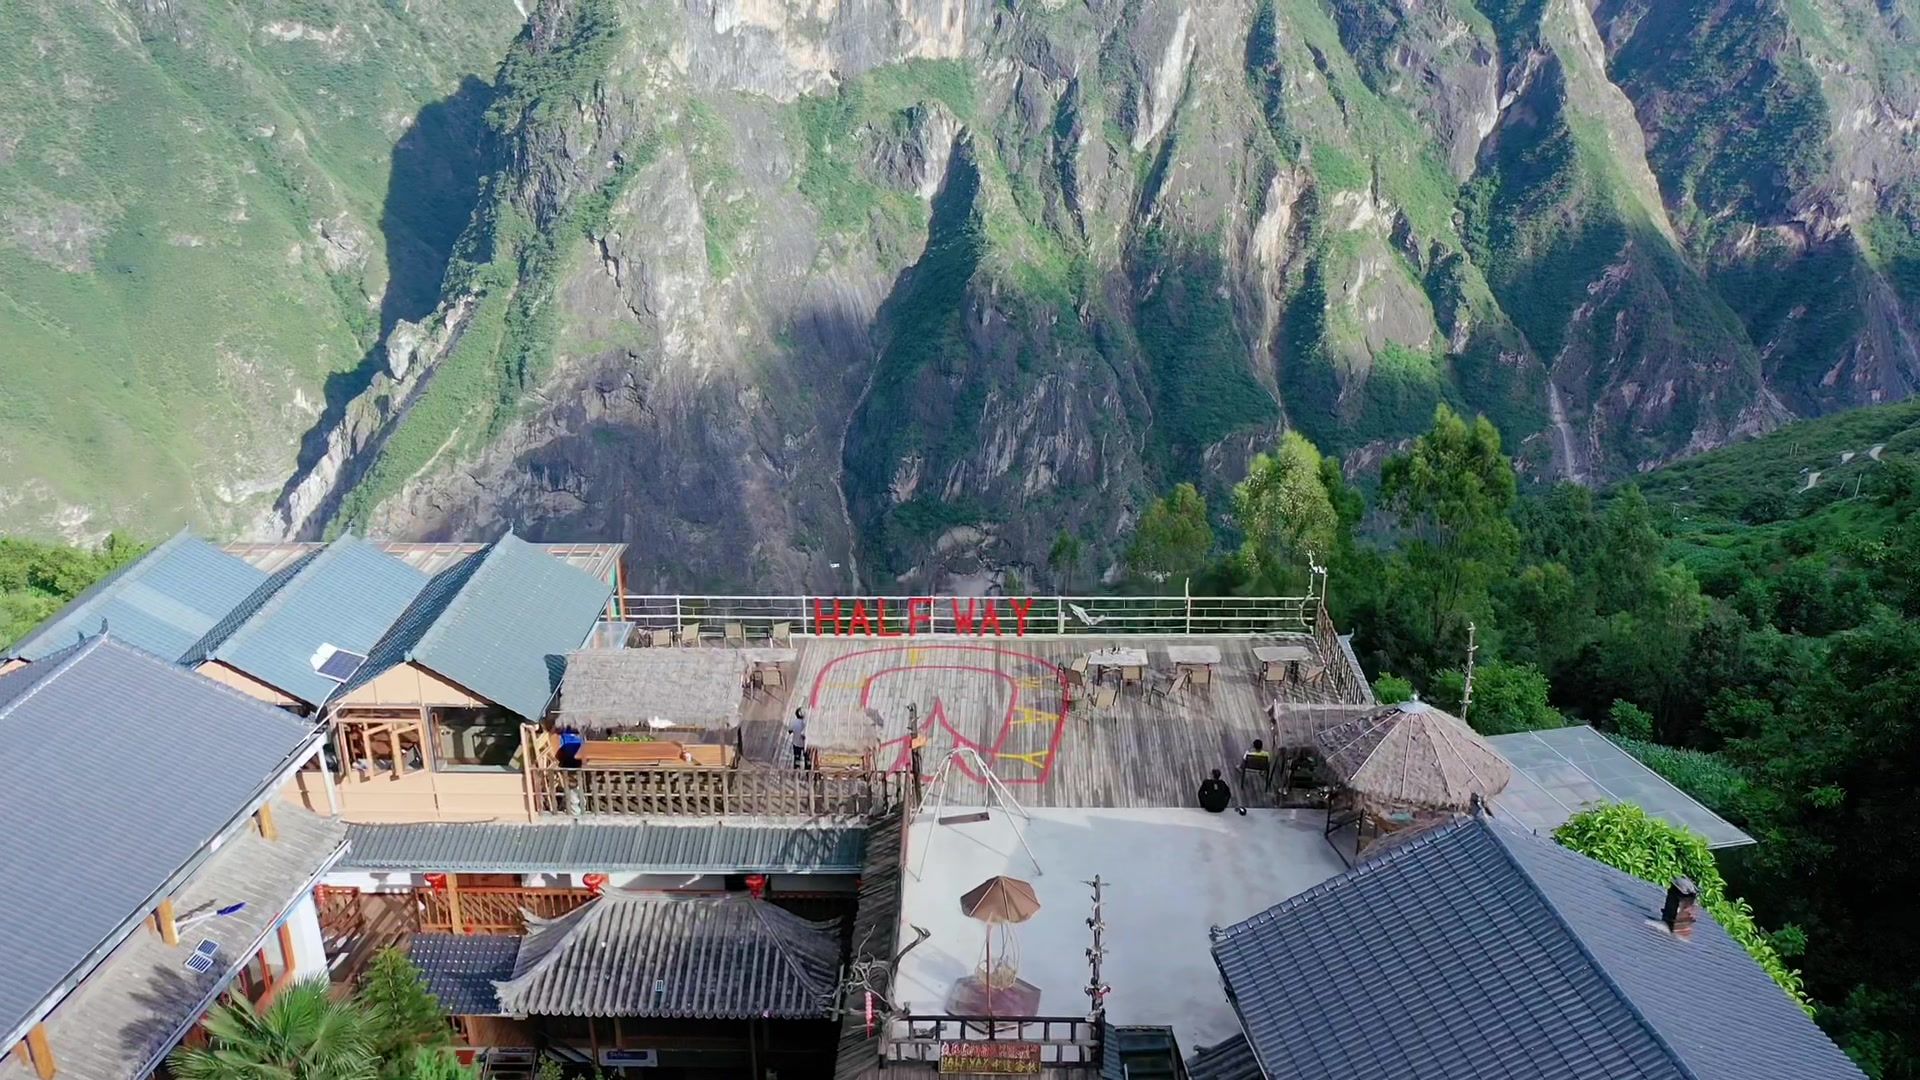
(116,769)
(499,623)
(347,595)
(1229,1059)
(161,602)
(1481,950)
(460,969)
(712,848)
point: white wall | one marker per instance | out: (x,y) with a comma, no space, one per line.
(375,882)
(309,950)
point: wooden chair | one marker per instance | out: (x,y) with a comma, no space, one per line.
(662,638)
(690,634)
(1200,675)
(1104,697)
(782,635)
(1080,665)
(1273,672)
(1132,675)
(772,678)
(736,634)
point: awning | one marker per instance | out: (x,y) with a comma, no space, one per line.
(651,848)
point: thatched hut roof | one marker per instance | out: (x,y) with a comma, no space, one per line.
(690,689)
(1412,755)
(1297,724)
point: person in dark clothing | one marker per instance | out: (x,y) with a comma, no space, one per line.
(1215,795)
(797,735)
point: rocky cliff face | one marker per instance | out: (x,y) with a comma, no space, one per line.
(798,293)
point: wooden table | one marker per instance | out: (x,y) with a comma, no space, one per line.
(763,654)
(1205,655)
(1291,655)
(1118,658)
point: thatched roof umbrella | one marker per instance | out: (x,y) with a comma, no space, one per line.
(1414,756)
(1297,724)
(999,901)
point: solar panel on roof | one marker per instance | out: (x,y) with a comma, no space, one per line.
(201,959)
(336,663)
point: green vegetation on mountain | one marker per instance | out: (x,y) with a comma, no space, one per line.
(36,578)
(1751,638)
(209,215)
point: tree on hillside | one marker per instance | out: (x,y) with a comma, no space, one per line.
(1064,559)
(36,578)
(402,1015)
(1173,539)
(302,1035)
(1450,492)
(1626,838)
(1630,552)
(1286,514)
(1506,698)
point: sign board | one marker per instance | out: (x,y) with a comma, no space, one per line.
(629,1059)
(990,1058)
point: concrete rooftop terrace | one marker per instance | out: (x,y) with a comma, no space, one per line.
(1004,697)
(1168,876)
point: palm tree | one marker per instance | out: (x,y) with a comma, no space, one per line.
(302,1035)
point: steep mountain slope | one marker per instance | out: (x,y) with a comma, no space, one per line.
(209,214)
(799,293)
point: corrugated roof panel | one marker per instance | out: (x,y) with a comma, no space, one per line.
(347,596)
(506,632)
(1478,949)
(594,847)
(115,770)
(1561,771)
(161,602)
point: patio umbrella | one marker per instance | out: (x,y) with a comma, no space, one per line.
(999,901)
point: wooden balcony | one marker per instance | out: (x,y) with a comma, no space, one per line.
(696,791)
(493,910)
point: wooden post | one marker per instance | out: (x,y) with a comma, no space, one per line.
(287,962)
(263,820)
(163,919)
(40,1053)
(453,903)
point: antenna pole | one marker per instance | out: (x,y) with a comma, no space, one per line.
(1466,693)
(1096,990)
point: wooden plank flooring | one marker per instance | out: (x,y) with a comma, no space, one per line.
(1005,698)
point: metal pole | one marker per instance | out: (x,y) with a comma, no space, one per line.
(1466,694)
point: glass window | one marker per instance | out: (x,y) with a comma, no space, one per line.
(475,739)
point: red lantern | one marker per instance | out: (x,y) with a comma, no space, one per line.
(594,882)
(757,886)
(436,882)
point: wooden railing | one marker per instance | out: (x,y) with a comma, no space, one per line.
(493,910)
(1063,1040)
(1343,680)
(713,792)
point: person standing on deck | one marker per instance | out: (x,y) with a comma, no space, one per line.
(797,735)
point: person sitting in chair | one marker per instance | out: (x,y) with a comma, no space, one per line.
(1215,795)
(1257,759)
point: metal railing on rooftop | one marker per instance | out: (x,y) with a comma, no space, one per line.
(1062,1040)
(965,616)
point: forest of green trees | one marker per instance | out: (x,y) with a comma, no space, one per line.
(1769,667)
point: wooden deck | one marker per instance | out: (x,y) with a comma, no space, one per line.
(1006,699)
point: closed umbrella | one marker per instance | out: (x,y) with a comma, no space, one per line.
(999,901)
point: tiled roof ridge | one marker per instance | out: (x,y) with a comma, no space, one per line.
(82,648)
(112,585)
(480,561)
(1364,868)
(210,648)
(1502,836)
(284,593)
(781,936)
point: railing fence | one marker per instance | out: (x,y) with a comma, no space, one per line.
(887,616)
(745,790)
(1063,1040)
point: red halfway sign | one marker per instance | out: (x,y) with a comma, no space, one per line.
(978,616)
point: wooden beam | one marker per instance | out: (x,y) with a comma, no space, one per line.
(263,820)
(163,918)
(40,1053)
(453,903)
